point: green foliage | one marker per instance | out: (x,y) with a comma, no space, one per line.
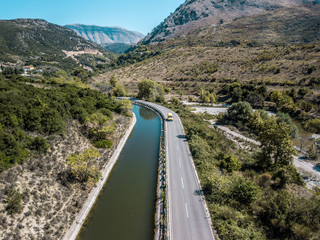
(14,202)
(139,54)
(83,167)
(312,152)
(207,96)
(313,125)
(239,114)
(230,163)
(244,192)
(119,91)
(283,102)
(284,117)
(103,144)
(113,81)
(276,144)
(24,108)
(150,90)
(232,224)
(39,144)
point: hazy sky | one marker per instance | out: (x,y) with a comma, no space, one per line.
(138,15)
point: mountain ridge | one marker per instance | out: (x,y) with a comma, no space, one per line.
(194,14)
(106,35)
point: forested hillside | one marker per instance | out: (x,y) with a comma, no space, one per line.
(42,44)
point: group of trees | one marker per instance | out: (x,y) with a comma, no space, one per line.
(24,108)
(253,94)
(150,90)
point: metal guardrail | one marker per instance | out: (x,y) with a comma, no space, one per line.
(161,217)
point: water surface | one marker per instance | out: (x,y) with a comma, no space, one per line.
(125,208)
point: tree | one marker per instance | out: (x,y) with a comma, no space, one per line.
(113,81)
(313,125)
(150,90)
(39,144)
(255,100)
(207,96)
(276,144)
(125,106)
(239,112)
(119,91)
(312,152)
(82,166)
(284,117)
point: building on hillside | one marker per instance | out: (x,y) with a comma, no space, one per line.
(28,68)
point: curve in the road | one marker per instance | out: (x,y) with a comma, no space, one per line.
(189,218)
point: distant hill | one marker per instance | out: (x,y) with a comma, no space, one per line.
(194,14)
(107,36)
(36,41)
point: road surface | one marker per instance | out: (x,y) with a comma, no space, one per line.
(188,215)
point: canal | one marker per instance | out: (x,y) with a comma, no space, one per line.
(126,206)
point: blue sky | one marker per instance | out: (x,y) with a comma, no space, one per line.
(138,15)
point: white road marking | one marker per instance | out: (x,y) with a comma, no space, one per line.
(177,147)
(182,183)
(187,210)
(179,162)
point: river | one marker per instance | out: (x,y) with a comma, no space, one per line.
(126,206)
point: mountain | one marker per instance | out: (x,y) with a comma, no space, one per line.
(108,36)
(194,14)
(279,48)
(37,41)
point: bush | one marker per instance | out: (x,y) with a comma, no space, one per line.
(284,117)
(230,164)
(244,192)
(39,144)
(14,202)
(313,125)
(102,144)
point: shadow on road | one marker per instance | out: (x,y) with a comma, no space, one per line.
(198,192)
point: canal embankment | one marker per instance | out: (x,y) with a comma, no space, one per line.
(75,228)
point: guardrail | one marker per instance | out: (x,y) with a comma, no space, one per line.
(161,216)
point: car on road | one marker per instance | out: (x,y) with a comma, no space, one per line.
(170,117)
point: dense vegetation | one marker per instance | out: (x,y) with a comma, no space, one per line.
(26,109)
(255,195)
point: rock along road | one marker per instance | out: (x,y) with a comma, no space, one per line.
(189,218)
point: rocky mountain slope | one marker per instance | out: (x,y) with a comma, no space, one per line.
(194,14)
(113,38)
(278,49)
(35,41)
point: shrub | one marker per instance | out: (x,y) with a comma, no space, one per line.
(39,144)
(14,202)
(244,192)
(102,144)
(230,164)
(313,125)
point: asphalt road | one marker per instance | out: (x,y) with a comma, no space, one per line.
(188,217)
